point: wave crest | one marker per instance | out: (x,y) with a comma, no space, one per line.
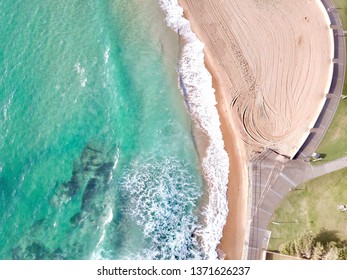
(196,85)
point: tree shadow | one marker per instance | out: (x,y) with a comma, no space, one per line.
(326,236)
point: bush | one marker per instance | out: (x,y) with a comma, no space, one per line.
(306,246)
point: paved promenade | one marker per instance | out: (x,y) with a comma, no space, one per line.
(273,176)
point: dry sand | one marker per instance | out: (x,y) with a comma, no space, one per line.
(272,66)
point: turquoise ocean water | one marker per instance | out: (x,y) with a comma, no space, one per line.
(97,158)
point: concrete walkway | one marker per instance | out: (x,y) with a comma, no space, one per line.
(273,176)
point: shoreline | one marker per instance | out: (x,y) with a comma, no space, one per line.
(199,94)
(233,238)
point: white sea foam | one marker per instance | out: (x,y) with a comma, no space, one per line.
(115,163)
(98,249)
(81,72)
(107,54)
(163,194)
(196,85)
(106,73)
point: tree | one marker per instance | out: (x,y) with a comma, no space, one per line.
(288,248)
(343,253)
(300,247)
(318,251)
(307,246)
(332,253)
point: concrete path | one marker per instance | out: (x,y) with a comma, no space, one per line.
(273,176)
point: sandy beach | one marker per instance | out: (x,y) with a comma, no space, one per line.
(272,66)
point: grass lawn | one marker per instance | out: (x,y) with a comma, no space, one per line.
(334,144)
(312,206)
(341,7)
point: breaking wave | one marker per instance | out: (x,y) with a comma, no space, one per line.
(196,85)
(163,196)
